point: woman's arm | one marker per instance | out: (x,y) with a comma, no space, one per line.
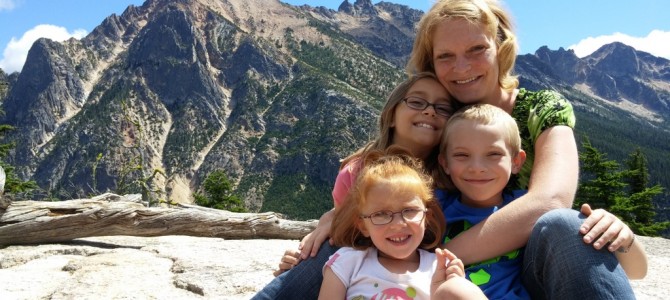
(602,228)
(553,183)
(633,261)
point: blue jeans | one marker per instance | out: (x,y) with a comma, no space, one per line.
(301,282)
(559,265)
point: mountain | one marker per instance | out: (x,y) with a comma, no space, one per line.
(615,72)
(155,99)
(273,94)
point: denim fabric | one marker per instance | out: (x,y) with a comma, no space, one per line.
(301,282)
(559,265)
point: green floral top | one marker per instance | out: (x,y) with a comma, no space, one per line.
(534,112)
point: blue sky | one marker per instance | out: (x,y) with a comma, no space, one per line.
(581,25)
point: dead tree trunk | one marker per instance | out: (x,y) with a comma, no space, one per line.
(34,222)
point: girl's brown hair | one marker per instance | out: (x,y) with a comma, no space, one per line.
(407,174)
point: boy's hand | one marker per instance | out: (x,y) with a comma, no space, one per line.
(290,259)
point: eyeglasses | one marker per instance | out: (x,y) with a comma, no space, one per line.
(384,217)
(421,104)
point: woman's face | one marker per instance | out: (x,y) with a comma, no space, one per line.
(465,60)
(419,131)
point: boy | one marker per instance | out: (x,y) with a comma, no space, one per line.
(480,151)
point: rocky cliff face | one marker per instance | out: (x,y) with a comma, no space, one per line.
(6,82)
(615,72)
(156,98)
(259,89)
(386,29)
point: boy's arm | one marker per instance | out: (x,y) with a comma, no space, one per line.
(332,287)
(633,261)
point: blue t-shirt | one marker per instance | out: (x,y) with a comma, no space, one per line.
(500,277)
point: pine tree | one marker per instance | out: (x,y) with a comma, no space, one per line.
(219,193)
(638,179)
(638,209)
(624,193)
(603,182)
(13,184)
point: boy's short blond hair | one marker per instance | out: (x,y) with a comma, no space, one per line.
(485,114)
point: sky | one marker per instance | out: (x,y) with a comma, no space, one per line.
(581,25)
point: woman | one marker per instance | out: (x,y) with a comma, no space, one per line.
(471,48)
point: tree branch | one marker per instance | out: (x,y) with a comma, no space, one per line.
(33,222)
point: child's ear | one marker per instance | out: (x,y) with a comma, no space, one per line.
(443,162)
(517,161)
(360,223)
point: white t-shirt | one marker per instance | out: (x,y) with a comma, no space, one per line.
(363,275)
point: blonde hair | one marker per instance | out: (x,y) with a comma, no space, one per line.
(386,132)
(405,172)
(488,13)
(484,114)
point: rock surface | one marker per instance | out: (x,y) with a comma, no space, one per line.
(184,267)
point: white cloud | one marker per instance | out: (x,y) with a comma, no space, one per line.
(16,51)
(656,43)
(7,5)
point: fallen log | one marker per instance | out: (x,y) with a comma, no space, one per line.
(37,222)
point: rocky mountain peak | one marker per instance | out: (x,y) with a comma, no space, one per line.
(616,72)
(359,8)
(617,59)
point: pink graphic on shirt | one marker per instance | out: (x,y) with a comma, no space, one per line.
(392,294)
(332,259)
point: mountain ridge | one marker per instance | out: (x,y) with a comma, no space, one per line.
(271,93)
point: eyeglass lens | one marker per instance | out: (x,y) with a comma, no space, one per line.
(421,104)
(386,216)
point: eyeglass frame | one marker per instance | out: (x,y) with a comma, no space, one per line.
(447,113)
(392,214)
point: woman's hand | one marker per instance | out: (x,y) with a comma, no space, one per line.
(309,245)
(606,226)
(602,227)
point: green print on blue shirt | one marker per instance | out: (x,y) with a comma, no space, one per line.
(477,272)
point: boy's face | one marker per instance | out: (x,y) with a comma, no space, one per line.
(479,162)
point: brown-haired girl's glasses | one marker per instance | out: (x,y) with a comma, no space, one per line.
(384,217)
(417,103)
